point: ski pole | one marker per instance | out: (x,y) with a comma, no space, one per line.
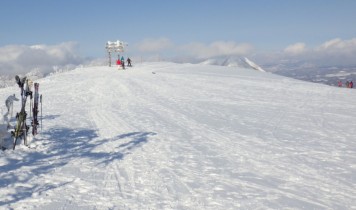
(41,111)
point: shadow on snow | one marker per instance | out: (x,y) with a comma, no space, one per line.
(60,146)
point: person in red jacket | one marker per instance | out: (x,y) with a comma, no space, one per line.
(339,83)
(119,64)
(351,84)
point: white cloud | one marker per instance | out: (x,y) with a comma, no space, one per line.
(335,52)
(218,48)
(165,48)
(154,45)
(10,52)
(331,43)
(338,46)
(296,48)
(21,59)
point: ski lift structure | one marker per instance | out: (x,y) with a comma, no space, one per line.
(114,47)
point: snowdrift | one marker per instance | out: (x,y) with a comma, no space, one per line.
(184,136)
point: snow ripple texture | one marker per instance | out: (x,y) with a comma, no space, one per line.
(183,136)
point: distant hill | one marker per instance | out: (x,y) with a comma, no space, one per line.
(329,75)
(242,62)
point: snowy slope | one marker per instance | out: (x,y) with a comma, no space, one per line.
(183,136)
(253,65)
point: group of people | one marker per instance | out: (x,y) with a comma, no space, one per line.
(348,84)
(121,62)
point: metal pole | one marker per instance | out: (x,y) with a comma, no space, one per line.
(109,58)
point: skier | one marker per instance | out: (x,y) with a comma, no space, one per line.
(347,84)
(351,84)
(339,84)
(129,62)
(118,63)
(123,64)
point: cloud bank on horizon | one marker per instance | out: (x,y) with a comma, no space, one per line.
(20,59)
(337,52)
(332,52)
(44,59)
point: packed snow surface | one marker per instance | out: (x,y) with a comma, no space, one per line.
(184,136)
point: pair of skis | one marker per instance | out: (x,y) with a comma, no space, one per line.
(21,128)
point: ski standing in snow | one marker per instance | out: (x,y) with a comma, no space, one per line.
(21,128)
(35,110)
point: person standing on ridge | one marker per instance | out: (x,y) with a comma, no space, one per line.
(351,84)
(123,62)
(339,83)
(129,62)
(118,62)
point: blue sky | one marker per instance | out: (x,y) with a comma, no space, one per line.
(266,26)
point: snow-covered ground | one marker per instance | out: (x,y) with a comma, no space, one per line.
(183,136)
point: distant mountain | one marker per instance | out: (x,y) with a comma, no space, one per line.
(329,75)
(242,62)
(301,70)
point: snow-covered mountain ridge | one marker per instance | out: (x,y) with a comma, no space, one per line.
(184,136)
(241,62)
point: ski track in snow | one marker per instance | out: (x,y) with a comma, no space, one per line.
(182,136)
